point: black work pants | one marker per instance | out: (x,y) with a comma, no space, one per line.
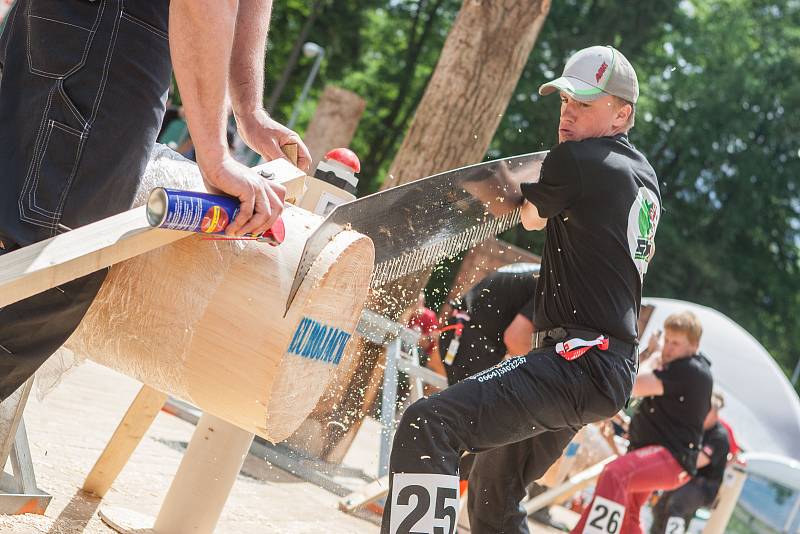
(539,398)
(81,101)
(675,509)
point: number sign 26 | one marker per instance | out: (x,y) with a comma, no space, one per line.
(605,517)
(424,504)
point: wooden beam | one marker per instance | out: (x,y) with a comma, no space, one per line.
(573,485)
(123,442)
(47,264)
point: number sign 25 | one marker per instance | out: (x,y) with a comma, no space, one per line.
(605,517)
(424,504)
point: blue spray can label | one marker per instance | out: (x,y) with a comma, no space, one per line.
(194,211)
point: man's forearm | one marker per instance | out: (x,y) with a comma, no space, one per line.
(201,38)
(531,220)
(247,59)
(647,384)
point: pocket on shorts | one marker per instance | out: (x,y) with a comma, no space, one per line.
(56,157)
(145,19)
(59,35)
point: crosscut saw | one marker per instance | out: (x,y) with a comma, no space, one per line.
(417,224)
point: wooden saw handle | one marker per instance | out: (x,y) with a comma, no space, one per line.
(291,152)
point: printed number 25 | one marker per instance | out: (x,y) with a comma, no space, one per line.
(423,503)
(611,524)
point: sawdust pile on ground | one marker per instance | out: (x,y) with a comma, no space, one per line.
(29,524)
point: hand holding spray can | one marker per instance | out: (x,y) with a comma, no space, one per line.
(206,213)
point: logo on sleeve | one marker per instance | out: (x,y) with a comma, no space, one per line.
(642,222)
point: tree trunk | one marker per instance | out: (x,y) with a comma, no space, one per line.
(294,55)
(334,123)
(482,60)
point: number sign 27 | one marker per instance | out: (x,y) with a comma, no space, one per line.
(424,504)
(676,525)
(605,517)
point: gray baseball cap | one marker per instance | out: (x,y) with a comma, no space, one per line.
(593,72)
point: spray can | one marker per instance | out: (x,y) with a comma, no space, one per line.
(206,213)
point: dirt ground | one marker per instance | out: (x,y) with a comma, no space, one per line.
(68,429)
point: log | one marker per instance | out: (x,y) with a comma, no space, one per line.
(202,320)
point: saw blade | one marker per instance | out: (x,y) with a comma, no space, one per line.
(419,223)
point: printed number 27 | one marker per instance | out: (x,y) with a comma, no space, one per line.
(675,525)
(423,503)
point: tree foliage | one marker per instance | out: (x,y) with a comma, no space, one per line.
(717,118)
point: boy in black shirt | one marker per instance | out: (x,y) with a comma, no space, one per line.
(598,198)
(665,433)
(675,509)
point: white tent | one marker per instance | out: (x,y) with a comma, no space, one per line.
(760,403)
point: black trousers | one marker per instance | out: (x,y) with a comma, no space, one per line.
(679,506)
(82,96)
(475,354)
(529,403)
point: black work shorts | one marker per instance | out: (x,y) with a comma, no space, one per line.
(82,96)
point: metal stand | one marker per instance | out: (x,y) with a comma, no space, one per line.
(396,338)
(18,493)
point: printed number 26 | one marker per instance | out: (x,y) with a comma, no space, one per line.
(611,524)
(423,503)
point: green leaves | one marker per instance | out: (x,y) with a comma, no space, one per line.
(718,118)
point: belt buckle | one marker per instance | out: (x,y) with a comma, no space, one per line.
(540,336)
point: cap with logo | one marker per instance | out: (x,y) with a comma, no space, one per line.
(594,72)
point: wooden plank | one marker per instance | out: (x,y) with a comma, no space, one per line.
(47,264)
(377,489)
(123,442)
(571,486)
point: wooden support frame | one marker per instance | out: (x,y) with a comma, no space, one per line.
(573,484)
(123,442)
(200,488)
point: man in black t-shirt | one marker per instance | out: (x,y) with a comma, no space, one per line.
(675,509)
(665,433)
(497,319)
(598,200)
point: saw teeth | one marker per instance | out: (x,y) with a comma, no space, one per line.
(410,262)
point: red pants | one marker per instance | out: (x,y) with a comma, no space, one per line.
(624,486)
